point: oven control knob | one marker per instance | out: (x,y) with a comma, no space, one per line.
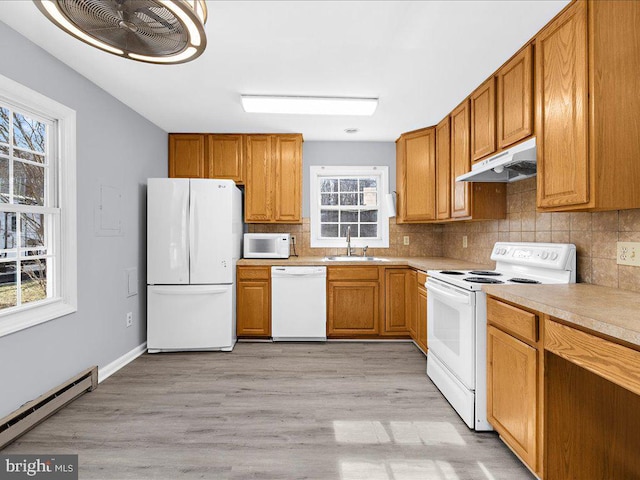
(545,255)
(554,255)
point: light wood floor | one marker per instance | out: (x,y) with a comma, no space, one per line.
(348,411)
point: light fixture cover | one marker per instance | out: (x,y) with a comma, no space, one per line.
(309,105)
(152,31)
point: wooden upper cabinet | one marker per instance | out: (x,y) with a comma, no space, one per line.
(226,157)
(443,169)
(273,183)
(562,111)
(287,161)
(515,98)
(460,161)
(187,156)
(483,120)
(258,192)
(416,183)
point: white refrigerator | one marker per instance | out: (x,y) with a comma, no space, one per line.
(194,235)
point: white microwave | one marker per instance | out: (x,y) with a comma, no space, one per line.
(266,245)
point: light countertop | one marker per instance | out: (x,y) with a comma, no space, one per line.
(609,311)
(419,263)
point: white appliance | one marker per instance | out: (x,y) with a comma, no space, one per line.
(267,245)
(298,303)
(194,235)
(516,163)
(457,318)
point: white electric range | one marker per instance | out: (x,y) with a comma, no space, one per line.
(457,318)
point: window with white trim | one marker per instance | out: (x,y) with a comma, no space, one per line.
(349,199)
(37,208)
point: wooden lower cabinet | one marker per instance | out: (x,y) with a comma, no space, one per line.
(253,309)
(398,301)
(421,335)
(353,301)
(412,292)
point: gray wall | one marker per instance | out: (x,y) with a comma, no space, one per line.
(116,147)
(349,154)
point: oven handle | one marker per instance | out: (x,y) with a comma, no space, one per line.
(464,299)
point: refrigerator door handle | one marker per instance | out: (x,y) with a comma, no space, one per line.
(192,227)
(199,291)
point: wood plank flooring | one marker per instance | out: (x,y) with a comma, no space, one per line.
(347,411)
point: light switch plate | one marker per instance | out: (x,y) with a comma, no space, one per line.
(464,241)
(628,253)
(406,240)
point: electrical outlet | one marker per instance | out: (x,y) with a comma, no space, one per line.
(293,239)
(129,319)
(628,253)
(405,240)
(464,241)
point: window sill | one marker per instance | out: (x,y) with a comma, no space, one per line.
(34,315)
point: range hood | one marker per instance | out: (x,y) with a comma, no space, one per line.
(517,163)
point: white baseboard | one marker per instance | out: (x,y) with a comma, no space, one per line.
(108,370)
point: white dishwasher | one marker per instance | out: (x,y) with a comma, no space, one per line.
(299,303)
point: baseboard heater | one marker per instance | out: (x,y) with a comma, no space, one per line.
(36,411)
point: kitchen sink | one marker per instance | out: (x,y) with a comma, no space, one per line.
(354,258)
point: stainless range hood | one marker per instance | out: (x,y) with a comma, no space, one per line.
(517,163)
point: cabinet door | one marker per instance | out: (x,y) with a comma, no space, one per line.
(418,182)
(226,157)
(254,309)
(259,189)
(460,161)
(287,162)
(483,120)
(353,308)
(412,293)
(512,392)
(422,318)
(186,156)
(515,99)
(562,110)
(397,301)
(443,169)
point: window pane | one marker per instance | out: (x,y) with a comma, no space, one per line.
(329,199)
(369,216)
(369,231)
(28,133)
(32,225)
(329,230)
(4,125)
(4,150)
(369,197)
(348,216)
(354,229)
(329,216)
(348,198)
(33,157)
(7,231)
(368,183)
(349,185)
(28,184)
(329,185)
(4,180)
(34,280)
(8,291)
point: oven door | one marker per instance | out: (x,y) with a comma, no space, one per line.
(451,329)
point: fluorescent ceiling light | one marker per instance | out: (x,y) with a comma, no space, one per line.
(309,105)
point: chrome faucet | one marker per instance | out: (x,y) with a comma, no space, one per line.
(364,250)
(349,241)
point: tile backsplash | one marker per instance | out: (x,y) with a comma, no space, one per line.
(594,234)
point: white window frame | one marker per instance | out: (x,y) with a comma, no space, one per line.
(65,296)
(317,172)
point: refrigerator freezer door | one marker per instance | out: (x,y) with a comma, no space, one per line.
(190,317)
(167,231)
(211,236)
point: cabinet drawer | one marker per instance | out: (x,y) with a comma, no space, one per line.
(422,278)
(521,323)
(352,273)
(254,273)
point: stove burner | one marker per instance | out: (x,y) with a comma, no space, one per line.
(485,272)
(482,280)
(523,280)
(451,272)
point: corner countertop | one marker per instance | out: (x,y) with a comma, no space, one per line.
(419,263)
(609,311)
